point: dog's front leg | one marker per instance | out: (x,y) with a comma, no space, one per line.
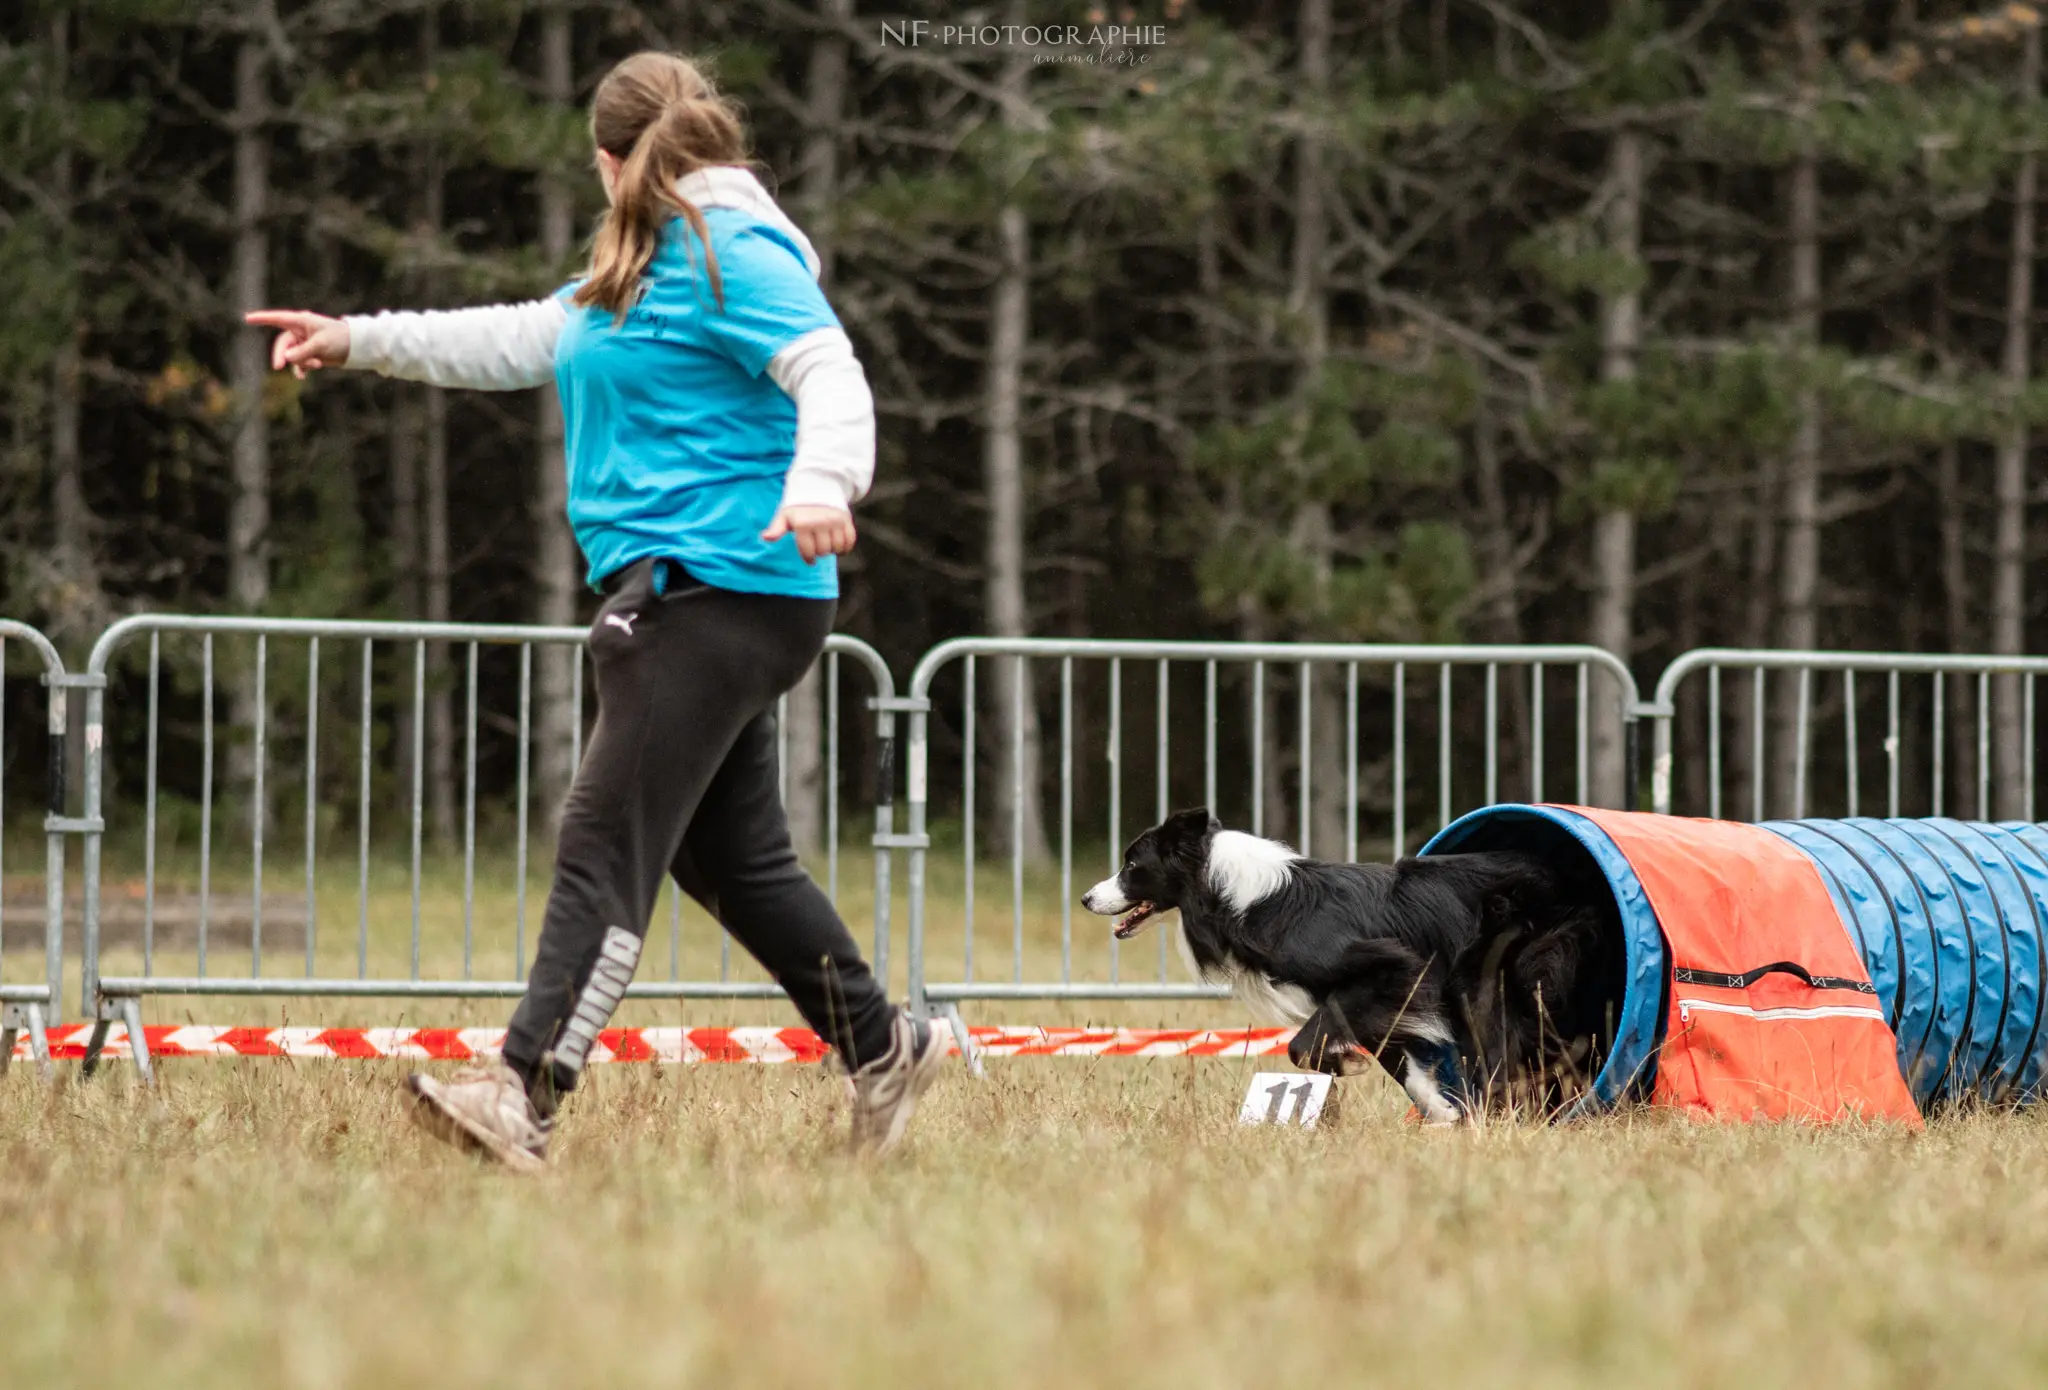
(1325,1043)
(1429,1073)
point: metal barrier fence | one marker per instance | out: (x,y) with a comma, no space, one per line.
(1469,771)
(1428,732)
(25,1005)
(497,658)
(1817,740)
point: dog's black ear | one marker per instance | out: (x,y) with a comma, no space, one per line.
(1194,821)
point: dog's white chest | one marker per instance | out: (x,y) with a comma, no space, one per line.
(1270,1002)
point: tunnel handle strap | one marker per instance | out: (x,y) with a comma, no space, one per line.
(1685,976)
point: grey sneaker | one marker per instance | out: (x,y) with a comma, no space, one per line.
(485,1110)
(885,1092)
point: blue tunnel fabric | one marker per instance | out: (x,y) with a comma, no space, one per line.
(1966,907)
(1949,916)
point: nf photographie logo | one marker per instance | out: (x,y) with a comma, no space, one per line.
(1123,44)
(914,33)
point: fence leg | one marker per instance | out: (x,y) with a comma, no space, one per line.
(95,1042)
(38,1043)
(965,1039)
(10,1029)
(138,1041)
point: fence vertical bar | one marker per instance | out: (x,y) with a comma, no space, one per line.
(525,796)
(312,792)
(782,749)
(1400,759)
(1940,740)
(1583,752)
(1116,789)
(205,799)
(1021,679)
(884,859)
(1209,739)
(56,802)
(969,747)
(1258,748)
(1066,819)
(258,811)
(1756,752)
(1304,799)
(469,829)
(1443,746)
(1351,763)
(916,766)
(54,736)
(576,704)
(1492,733)
(419,758)
(1983,745)
(1800,743)
(363,826)
(832,775)
(1161,774)
(149,815)
(2027,745)
(675,931)
(1536,732)
(1891,746)
(1849,734)
(90,1005)
(1714,742)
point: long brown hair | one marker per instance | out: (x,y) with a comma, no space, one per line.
(660,116)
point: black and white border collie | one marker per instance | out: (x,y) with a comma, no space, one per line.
(1359,957)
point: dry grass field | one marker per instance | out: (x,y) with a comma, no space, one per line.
(1063,1222)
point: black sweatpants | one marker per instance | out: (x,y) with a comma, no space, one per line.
(679,778)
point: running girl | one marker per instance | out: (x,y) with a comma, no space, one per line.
(719,430)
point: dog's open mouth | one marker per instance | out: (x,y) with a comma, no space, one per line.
(1128,924)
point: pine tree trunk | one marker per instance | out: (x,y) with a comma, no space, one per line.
(1959,634)
(1016,722)
(78,609)
(248,366)
(1961,692)
(77,606)
(2009,536)
(1799,572)
(1309,300)
(818,186)
(1614,530)
(554,553)
(1505,601)
(434,482)
(1746,796)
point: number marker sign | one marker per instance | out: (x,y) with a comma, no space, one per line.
(1285,1097)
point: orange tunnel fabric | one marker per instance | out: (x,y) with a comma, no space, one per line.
(1772,1013)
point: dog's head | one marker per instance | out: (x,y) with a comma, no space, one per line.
(1161,868)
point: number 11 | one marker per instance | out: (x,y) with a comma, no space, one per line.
(1280,1111)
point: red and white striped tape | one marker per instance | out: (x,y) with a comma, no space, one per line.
(67,1041)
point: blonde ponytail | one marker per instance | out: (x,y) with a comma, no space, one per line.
(661,118)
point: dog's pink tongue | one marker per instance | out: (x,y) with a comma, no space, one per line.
(1133,919)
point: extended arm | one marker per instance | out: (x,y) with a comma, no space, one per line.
(502,347)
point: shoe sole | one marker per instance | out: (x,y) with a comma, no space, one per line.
(450,1128)
(923,1072)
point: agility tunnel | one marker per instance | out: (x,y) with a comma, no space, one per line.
(1808,969)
